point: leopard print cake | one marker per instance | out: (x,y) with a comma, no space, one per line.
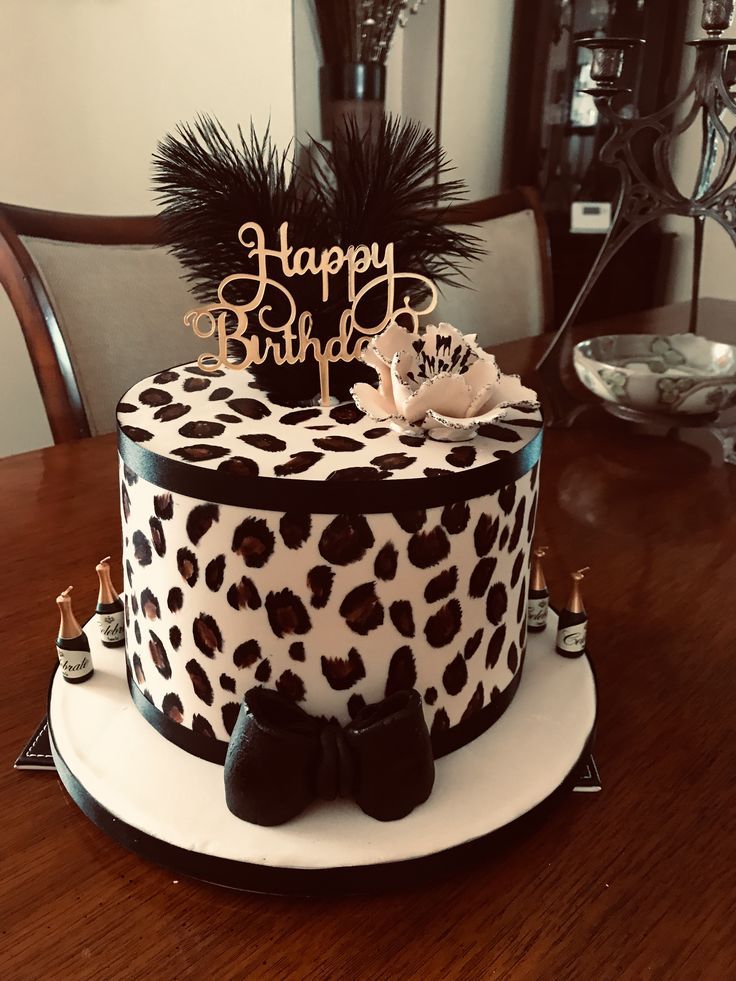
(313,551)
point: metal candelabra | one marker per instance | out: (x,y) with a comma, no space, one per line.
(642,199)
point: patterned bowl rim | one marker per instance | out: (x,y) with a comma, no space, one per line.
(582,351)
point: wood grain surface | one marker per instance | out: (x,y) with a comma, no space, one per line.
(635,882)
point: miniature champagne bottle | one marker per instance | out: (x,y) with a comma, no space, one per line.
(110,613)
(573,621)
(72,645)
(536,616)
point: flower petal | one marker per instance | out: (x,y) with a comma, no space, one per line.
(392,340)
(446,394)
(374,403)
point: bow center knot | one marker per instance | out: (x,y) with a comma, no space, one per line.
(335,770)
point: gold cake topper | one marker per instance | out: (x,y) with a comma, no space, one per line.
(292,342)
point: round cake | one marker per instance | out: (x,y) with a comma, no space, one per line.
(316,552)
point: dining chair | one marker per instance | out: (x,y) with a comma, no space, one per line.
(508,291)
(100,303)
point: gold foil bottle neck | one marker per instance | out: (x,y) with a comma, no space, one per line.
(538,582)
(107,592)
(68,626)
(575,602)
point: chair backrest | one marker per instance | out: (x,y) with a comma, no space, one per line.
(509,290)
(100,302)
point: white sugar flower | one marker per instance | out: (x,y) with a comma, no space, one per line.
(440,381)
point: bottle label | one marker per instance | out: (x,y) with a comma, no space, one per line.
(536,611)
(572,639)
(112,626)
(74,664)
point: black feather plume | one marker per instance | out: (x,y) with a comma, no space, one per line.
(370,187)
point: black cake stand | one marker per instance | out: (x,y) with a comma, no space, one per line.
(169,807)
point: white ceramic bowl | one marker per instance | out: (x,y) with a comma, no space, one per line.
(677,373)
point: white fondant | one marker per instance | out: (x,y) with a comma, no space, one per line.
(158,788)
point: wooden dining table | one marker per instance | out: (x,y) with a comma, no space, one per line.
(636,881)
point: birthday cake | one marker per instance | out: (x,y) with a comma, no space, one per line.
(320,553)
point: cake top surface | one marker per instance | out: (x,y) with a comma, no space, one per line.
(222,421)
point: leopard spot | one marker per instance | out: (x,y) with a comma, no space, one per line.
(154,397)
(138,670)
(230,710)
(188,566)
(125,501)
(295,528)
(126,407)
(199,452)
(356,704)
(250,408)
(472,644)
(263,671)
(411,521)
(298,463)
(163,506)
(455,517)
(496,603)
(291,686)
(158,655)
(357,473)
(239,466)
(402,617)
(495,646)
(254,541)
(361,609)
(296,651)
(346,539)
(287,614)
(455,675)
(430,695)
(512,659)
(218,394)
(141,548)
(518,525)
(207,635)
(461,456)
(480,577)
(522,607)
(246,654)
(175,599)
(227,683)
(428,548)
(385,564)
(175,637)
(215,573)
(131,476)
(201,429)
(485,534)
(137,434)
(475,704)
(172,707)
(169,413)
(516,571)
(402,672)
(149,605)
(299,416)
(347,414)
(507,498)
(264,441)
(165,377)
(442,627)
(492,431)
(137,632)
(442,585)
(244,593)
(376,432)
(393,461)
(409,440)
(319,580)
(200,682)
(342,673)
(338,444)
(200,520)
(158,538)
(201,726)
(440,724)
(503,539)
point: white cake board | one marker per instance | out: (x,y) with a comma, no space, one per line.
(169,806)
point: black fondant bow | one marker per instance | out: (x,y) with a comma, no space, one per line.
(280,758)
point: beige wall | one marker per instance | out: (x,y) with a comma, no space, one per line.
(89,86)
(474,89)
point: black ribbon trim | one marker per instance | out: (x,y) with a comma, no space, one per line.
(215,750)
(328,497)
